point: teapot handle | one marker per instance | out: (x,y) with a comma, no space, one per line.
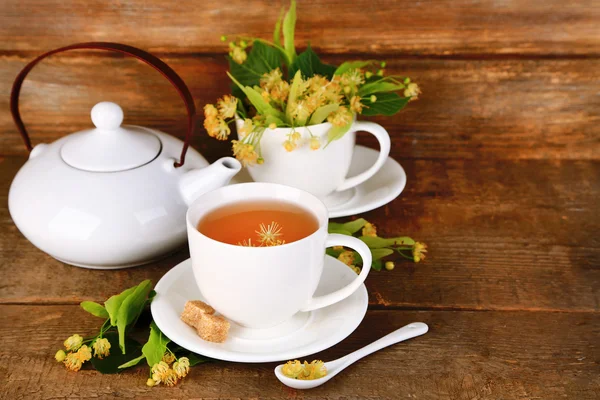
(142,55)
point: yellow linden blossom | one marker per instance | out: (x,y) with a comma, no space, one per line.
(244,152)
(341,117)
(73,342)
(84,353)
(170,378)
(168,357)
(315,144)
(355,268)
(412,90)
(369,230)
(101,348)
(270,79)
(73,362)
(150,382)
(418,251)
(238,54)
(60,356)
(246,128)
(182,367)
(227,106)
(356,105)
(210,111)
(159,371)
(269,234)
(347,257)
(296,370)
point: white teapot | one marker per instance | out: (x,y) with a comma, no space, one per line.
(114,196)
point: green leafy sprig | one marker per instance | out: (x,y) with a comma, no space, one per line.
(380,247)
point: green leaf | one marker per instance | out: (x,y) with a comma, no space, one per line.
(355,226)
(196,359)
(377,265)
(116,358)
(309,63)
(95,309)
(114,303)
(155,347)
(337,132)
(322,113)
(378,242)
(133,362)
(341,231)
(348,65)
(379,86)
(386,104)
(277,32)
(131,308)
(289,26)
(378,254)
(262,58)
(262,107)
(292,96)
(333,253)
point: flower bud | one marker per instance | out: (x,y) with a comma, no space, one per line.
(389,265)
(60,356)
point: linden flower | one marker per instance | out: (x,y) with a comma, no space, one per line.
(412,90)
(159,371)
(238,54)
(227,106)
(168,357)
(101,348)
(60,356)
(244,152)
(73,342)
(356,105)
(269,235)
(170,378)
(210,111)
(292,369)
(315,144)
(270,79)
(246,128)
(314,370)
(418,251)
(341,117)
(369,230)
(347,257)
(288,145)
(73,362)
(84,353)
(182,367)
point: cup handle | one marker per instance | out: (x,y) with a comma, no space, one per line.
(384,151)
(340,294)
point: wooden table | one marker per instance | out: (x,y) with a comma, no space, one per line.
(502,156)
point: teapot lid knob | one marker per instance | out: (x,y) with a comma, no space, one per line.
(107,115)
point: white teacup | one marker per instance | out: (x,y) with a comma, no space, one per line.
(320,172)
(260,287)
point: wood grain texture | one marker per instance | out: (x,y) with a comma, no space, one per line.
(384,27)
(506,109)
(465,355)
(503,235)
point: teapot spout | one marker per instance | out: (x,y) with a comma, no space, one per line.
(199,181)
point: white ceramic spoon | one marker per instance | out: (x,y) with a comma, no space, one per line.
(336,366)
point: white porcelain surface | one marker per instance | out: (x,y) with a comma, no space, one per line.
(307,333)
(260,287)
(320,172)
(382,188)
(110,219)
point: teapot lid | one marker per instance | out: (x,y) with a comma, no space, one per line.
(110,147)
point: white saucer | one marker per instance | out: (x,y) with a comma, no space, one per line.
(305,334)
(382,188)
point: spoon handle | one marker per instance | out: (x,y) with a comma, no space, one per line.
(399,335)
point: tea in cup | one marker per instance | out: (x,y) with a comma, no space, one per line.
(258,251)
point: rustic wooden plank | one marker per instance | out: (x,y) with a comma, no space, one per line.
(469,108)
(388,27)
(465,355)
(502,235)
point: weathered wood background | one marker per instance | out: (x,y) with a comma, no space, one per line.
(502,153)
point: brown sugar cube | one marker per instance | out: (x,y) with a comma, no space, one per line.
(194,310)
(213,328)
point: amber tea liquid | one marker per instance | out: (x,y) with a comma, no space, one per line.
(258,223)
